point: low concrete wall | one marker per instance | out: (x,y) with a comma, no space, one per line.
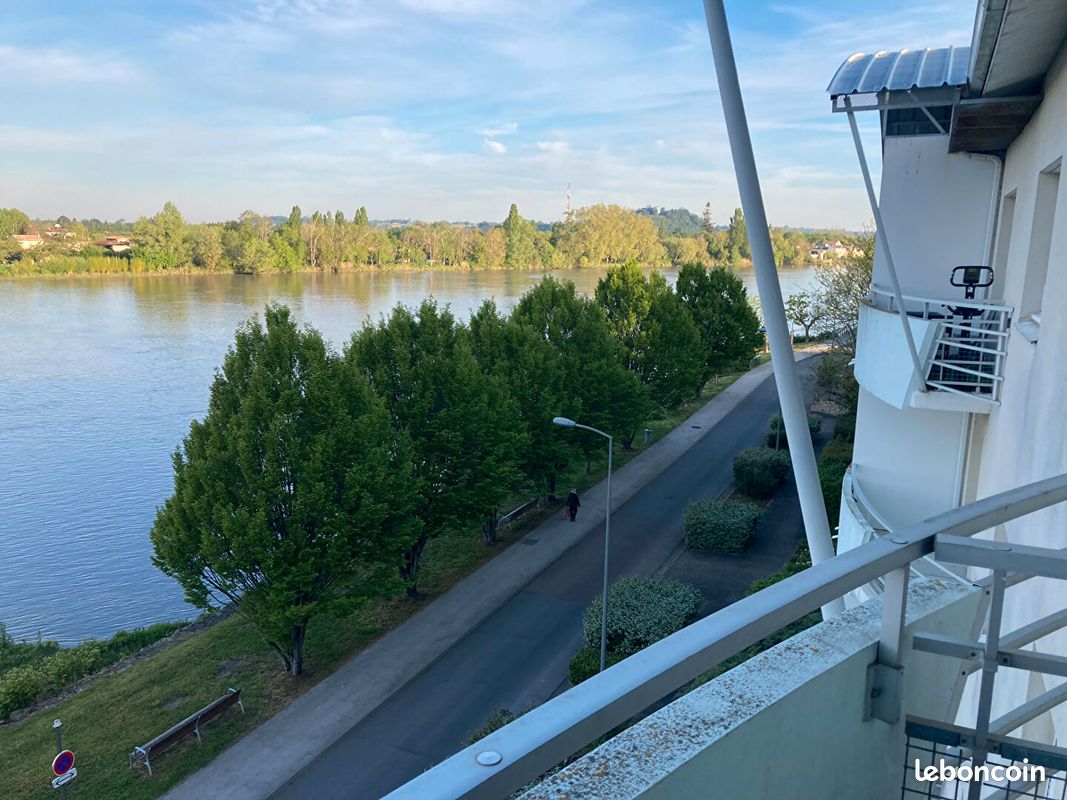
(785,724)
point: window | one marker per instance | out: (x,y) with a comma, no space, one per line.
(1048,187)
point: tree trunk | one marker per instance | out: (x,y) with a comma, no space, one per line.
(628,442)
(294,662)
(410,568)
(489,528)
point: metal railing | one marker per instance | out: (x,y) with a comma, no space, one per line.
(520,752)
(967,357)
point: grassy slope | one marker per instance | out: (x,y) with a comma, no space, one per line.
(103,723)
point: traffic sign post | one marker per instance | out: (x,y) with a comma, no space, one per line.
(62,764)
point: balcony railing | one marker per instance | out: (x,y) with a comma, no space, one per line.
(965,355)
(511,757)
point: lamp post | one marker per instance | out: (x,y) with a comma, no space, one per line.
(570,423)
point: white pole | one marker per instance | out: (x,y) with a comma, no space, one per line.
(794,413)
(883,234)
(607,542)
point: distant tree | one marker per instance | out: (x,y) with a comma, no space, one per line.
(12,222)
(728,325)
(841,288)
(803,309)
(160,240)
(293,497)
(519,249)
(737,238)
(205,246)
(360,218)
(610,234)
(599,390)
(705,219)
(463,423)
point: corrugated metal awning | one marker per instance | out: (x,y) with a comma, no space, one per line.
(866,73)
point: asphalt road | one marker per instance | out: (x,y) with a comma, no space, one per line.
(517,658)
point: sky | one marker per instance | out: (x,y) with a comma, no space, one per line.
(432,109)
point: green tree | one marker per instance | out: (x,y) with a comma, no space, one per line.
(205,246)
(12,222)
(463,422)
(292,497)
(599,390)
(519,234)
(660,339)
(535,375)
(803,309)
(160,240)
(290,233)
(608,234)
(705,219)
(728,325)
(360,217)
(737,238)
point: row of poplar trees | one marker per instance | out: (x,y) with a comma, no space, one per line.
(317,478)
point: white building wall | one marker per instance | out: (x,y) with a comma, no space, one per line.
(938,210)
(1026,438)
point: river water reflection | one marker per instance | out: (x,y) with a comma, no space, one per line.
(99,379)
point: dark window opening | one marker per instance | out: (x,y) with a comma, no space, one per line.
(913,122)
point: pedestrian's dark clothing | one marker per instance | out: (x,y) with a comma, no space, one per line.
(573,503)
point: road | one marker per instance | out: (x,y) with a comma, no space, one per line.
(517,658)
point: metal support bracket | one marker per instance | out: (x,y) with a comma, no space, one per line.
(882,700)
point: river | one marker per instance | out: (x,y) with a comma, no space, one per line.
(99,379)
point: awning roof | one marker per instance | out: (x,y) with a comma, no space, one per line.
(866,73)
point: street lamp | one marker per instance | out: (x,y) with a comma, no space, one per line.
(563,422)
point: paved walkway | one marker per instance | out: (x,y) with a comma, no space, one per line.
(293,739)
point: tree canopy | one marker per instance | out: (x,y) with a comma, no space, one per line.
(293,496)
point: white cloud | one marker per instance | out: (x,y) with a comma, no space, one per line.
(50,66)
(553,147)
(495,148)
(504,129)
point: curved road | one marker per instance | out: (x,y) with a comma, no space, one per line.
(517,658)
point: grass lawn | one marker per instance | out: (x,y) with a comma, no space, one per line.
(103,723)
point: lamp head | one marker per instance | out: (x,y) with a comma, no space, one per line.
(563,422)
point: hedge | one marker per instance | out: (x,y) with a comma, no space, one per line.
(814,423)
(759,471)
(836,450)
(586,663)
(845,429)
(641,611)
(831,476)
(720,526)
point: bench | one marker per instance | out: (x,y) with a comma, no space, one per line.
(517,513)
(191,724)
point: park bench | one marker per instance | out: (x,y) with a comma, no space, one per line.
(516,514)
(191,724)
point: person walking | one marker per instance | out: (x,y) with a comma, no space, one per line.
(573,503)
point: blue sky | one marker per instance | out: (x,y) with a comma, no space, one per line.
(431,109)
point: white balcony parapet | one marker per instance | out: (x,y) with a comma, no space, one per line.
(511,757)
(962,344)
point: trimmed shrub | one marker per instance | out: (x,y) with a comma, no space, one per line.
(719,526)
(641,611)
(838,451)
(759,471)
(831,475)
(586,663)
(814,423)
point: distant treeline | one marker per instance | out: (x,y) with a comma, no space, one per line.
(595,236)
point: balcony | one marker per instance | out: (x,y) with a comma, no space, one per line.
(961,346)
(843,709)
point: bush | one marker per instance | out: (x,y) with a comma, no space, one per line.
(20,687)
(814,423)
(837,451)
(831,474)
(759,471)
(722,527)
(497,720)
(641,611)
(845,429)
(586,663)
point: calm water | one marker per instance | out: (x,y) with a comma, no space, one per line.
(99,379)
